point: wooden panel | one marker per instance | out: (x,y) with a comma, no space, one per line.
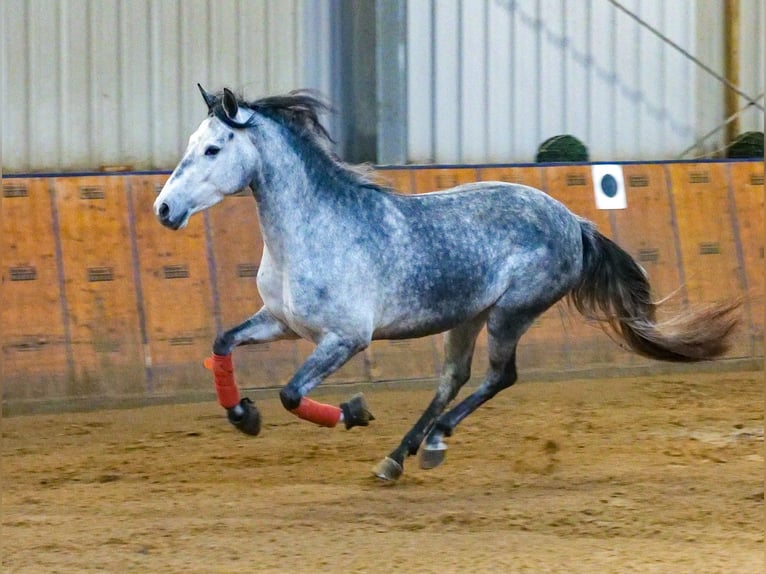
(175,280)
(587,344)
(356,370)
(403,359)
(707,240)
(531,176)
(398,179)
(99,285)
(747,193)
(544,346)
(237,250)
(34,344)
(439,178)
(645,230)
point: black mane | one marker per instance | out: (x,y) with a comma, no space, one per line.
(299,110)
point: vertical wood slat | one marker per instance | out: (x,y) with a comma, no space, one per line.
(707,239)
(34,358)
(746,191)
(646,230)
(177,293)
(102,305)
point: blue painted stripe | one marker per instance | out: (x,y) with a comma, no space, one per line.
(407,166)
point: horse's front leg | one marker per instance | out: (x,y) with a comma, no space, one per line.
(262,327)
(332,352)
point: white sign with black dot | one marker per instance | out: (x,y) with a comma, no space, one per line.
(609,186)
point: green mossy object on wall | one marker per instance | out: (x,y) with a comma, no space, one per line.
(561,148)
(747,145)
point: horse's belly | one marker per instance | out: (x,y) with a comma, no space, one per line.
(440,298)
(433,309)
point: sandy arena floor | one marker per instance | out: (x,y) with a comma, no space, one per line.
(652,474)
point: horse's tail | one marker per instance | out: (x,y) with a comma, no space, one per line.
(614,290)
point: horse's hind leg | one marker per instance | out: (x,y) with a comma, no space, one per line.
(458,349)
(504,334)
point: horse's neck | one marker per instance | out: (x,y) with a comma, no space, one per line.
(290,197)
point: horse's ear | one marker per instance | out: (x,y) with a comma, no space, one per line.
(230,105)
(209,100)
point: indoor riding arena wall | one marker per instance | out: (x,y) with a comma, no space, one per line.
(101,303)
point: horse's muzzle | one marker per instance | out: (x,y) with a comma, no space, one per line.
(164,214)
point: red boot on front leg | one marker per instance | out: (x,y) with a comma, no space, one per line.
(242,413)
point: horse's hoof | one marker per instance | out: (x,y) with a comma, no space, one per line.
(431,458)
(355,412)
(388,470)
(245,417)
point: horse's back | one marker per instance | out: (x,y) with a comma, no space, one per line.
(495,219)
(487,197)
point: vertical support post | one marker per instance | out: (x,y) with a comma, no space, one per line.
(356,79)
(731,67)
(391,62)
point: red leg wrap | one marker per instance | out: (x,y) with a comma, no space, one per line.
(319,413)
(223,376)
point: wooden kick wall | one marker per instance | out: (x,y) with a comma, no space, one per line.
(99,300)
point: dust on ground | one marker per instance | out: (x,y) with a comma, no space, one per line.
(646,474)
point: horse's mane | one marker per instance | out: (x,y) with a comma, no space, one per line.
(299,111)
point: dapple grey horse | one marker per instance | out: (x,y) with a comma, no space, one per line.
(347,261)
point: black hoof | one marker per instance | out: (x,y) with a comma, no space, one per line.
(388,470)
(245,417)
(355,412)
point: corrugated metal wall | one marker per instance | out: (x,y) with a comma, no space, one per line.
(751,59)
(90,83)
(489,80)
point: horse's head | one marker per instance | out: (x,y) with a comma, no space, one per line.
(218,161)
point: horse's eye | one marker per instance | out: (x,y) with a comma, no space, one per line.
(212,150)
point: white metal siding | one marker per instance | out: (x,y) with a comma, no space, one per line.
(489,80)
(87,83)
(90,83)
(751,75)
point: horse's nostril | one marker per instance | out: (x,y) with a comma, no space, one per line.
(164,211)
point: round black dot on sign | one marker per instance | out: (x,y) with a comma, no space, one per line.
(609,185)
